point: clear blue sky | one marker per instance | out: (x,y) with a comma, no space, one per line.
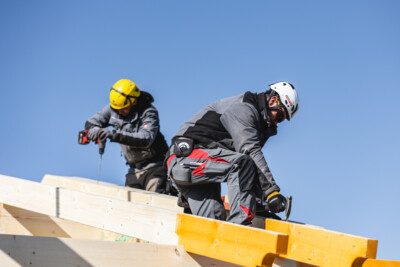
(339,157)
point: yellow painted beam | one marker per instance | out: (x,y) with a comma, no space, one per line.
(380,263)
(322,247)
(229,242)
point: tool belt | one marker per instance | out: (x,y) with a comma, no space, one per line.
(182,146)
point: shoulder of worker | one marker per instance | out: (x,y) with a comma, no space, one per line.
(145,102)
(245,104)
(103,114)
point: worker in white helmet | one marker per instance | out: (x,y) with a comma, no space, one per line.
(222,143)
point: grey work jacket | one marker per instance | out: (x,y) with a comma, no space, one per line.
(138,133)
(235,123)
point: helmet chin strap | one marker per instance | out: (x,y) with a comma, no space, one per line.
(263,105)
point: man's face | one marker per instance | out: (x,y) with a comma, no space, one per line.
(125,111)
(276,115)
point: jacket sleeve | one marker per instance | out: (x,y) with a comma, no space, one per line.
(97,121)
(144,136)
(241,122)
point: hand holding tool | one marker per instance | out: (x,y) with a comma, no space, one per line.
(83,140)
(264,210)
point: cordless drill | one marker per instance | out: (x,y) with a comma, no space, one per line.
(83,140)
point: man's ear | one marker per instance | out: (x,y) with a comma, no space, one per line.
(273,101)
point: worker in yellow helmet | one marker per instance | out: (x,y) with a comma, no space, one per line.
(137,129)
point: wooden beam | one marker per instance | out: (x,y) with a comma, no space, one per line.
(215,239)
(18,250)
(19,221)
(114,191)
(229,242)
(321,247)
(380,263)
(282,262)
(145,222)
(141,221)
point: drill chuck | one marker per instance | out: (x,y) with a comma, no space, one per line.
(102,146)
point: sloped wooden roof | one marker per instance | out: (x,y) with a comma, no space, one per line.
(72,211)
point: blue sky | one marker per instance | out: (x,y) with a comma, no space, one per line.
(339,157)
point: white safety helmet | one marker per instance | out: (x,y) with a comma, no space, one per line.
(288,96)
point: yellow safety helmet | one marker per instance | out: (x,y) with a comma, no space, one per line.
(123,94)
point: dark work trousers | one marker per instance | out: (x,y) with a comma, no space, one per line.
(199,176)
(151,179)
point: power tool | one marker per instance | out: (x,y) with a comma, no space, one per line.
(263,210)
(83,140)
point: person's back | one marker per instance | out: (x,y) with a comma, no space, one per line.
(205,127)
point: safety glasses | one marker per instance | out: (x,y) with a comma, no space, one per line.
(280,115)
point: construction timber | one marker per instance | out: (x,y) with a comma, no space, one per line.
(70,221)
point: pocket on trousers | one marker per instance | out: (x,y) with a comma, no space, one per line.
(211,172)
(181,175)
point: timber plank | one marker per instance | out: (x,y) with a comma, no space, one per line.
(229,242)
(114,191)
(380,263)
(296,244)
(128,218)
(19,221)
(322,247)
(18,250)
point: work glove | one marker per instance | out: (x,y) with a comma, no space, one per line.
(276,202)
(103,134)
(92,133)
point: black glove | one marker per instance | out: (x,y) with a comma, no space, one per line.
(92,134)
(103,134)
(276,202)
